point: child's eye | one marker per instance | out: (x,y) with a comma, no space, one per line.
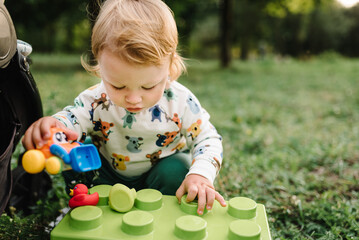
(118,88)
(148,88)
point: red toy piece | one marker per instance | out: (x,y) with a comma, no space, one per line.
(81,198)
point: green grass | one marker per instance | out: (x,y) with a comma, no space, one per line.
(290,130)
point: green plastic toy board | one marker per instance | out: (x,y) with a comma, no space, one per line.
(148,214)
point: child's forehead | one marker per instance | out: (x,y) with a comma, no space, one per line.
(113,67)
(136,57)
(122,57)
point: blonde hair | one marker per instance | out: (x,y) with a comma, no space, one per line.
(139,31)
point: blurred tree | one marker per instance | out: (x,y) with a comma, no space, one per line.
(204,41)
(187,14)
(39,21)
(350,44)
(289,27)
(248,15)
(328,27)
(288,21)
(226,29)
(306,27)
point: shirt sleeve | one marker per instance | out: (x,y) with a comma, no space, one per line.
(203,140)
(78,117)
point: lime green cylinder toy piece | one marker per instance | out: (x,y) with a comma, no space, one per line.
(244,230)
(148,199)
(103,193)
(137,223)
(242,208)
(86,217)
(190,228)
(190,207)
(121,198)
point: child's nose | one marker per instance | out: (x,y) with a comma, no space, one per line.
(133,98)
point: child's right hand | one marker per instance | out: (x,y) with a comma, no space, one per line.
(38,133)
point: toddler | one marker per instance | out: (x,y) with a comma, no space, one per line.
(151,131)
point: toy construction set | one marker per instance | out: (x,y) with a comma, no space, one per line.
(117,212)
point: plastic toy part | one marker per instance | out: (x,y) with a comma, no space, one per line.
(244,229)
(243,208)
(121,198)
(81,157)
(190,227)
(81,198)
(148,199)
(53,165)
(103,192)
(33,161)
(190,207)
(85,158)
(137,223)
(159,217)
(86,217)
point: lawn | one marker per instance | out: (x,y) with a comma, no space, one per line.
(291,139)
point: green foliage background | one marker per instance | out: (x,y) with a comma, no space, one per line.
(298,28)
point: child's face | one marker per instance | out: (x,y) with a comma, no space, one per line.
(133,87)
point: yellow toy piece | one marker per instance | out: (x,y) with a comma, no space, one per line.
(53,165)
(33,161)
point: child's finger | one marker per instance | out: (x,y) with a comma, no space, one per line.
(37,135)
(180,192)
(50,122)
(210,198)
(45,124)
(27,141)
(192,193)
(71,135)
(201,201)
(220,199)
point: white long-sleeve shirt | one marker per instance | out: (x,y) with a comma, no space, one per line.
(133,142)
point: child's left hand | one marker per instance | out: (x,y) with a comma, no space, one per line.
(197,185)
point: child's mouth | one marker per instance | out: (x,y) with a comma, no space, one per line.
(134,109)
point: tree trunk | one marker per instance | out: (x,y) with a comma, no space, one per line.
(226,26)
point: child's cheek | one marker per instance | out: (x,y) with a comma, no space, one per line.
(115,97)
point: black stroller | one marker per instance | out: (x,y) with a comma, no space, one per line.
(20,106)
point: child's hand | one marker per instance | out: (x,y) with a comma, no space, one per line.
(39,132)
(196,185)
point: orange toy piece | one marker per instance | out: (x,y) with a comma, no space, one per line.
(81,198)
(57,137)
(35,160)
(81,157)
